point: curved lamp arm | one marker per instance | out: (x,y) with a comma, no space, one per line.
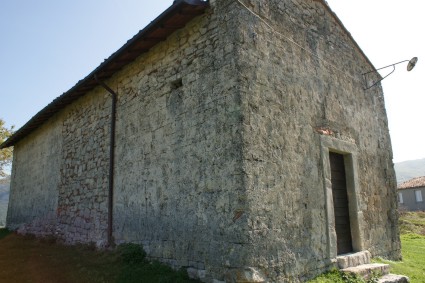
(410,66)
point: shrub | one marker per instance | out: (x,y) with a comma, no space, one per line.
(132,253)
(4,232)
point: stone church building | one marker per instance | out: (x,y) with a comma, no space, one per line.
(234,138)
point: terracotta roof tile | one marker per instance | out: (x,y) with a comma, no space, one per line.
(412,183)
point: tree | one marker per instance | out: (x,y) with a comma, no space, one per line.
(6,153)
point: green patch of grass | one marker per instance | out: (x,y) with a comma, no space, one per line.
(333,276)
(412,222)
(4,232)
(413,263)
(137,269)
(132,253)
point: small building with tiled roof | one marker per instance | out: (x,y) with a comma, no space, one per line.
(410,194)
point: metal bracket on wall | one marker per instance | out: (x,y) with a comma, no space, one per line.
(410,66)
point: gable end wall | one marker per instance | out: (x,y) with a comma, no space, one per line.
(302,80)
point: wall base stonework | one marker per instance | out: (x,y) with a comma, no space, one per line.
(45,226)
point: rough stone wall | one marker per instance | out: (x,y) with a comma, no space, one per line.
(60,175)
(83,190)
(289,98)
(35,178)
(179,187)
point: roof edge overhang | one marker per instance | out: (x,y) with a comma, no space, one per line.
(414,183)
(174,18)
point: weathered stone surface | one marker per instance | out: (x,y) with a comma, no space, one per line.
(359,264)
(196,273)
(222,141)
(394,278)
(82,201)
(246,275)
(35,179)
(288,95)
(351,260)
(368,270)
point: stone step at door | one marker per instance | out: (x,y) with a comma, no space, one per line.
(394,278)
(368,270)
(359,264)
(354,259)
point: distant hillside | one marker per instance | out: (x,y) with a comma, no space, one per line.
(4,199)
(409,169)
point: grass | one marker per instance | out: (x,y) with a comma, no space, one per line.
(413,263)
(412,222)
(412,229)
(27,259)
(3,233)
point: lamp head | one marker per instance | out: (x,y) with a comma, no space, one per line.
(412,63)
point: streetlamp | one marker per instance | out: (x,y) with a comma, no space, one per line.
(410,66)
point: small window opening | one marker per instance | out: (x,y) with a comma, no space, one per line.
(418,195)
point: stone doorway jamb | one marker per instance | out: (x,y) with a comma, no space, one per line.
(349,151)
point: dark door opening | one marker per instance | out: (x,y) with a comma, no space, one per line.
(340,200)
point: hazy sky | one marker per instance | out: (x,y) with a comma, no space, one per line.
(48,45)
(388,32)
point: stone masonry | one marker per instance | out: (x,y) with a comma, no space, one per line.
(82,203)
(223,134)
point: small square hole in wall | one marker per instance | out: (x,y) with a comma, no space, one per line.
(176,84)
